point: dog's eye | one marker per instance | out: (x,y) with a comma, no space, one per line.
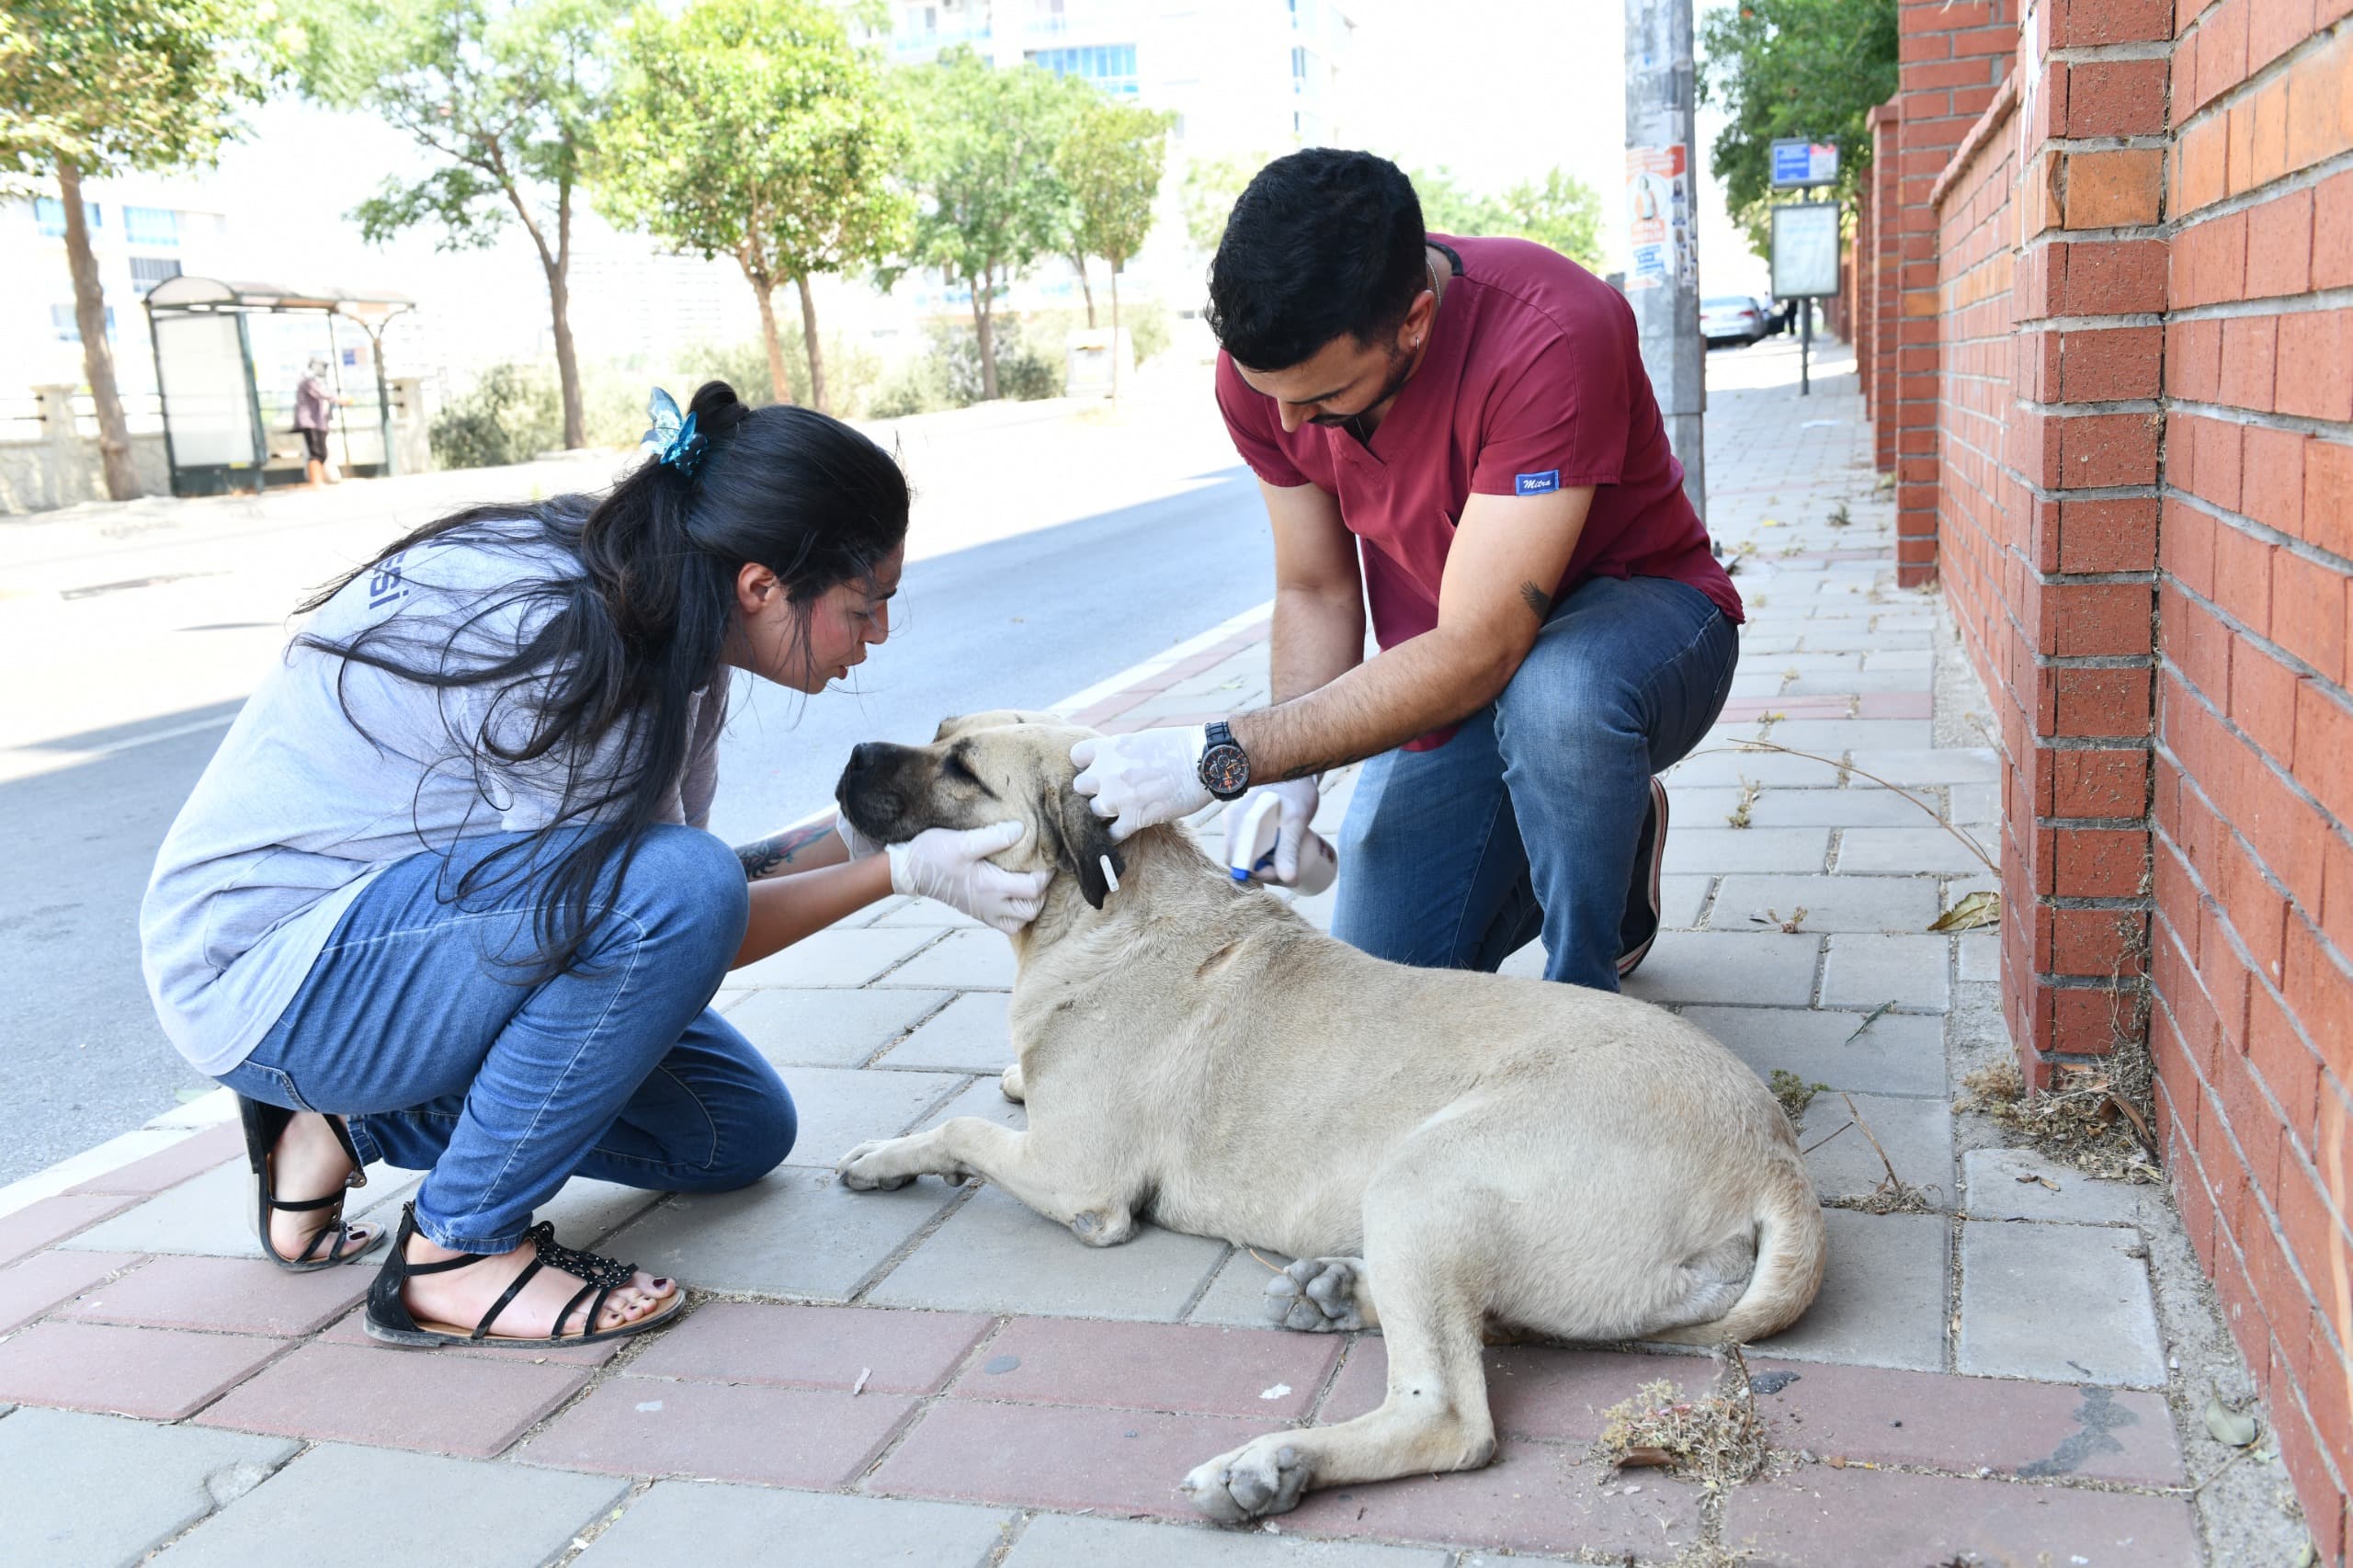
(956,767)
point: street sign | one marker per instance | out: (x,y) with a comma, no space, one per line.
(1805,250)
(1804,163)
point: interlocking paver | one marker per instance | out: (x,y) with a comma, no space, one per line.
(827,1028)
(968,1036)
(795,1232)
(1829,737)
(1824,903)
(1923,765)
(721,1432)
(1121,1461)
(161,1374)
(92,1490)
(1533,1390)
(224,1295)
(985,1098)
(1896,1053)
(1680,900)
(963,960)
(923,912)
(1713,851)
(470,1406)
(192,1155)
(583,1212)
(430,1508)
(1915,1133)
(832,957)
(41,1281)
(815,1348)
(1060,1540)
(349,1330)
(36,1225)
(1720,966)
(1237,1297)
(1883,1299)
(2019,1184)
(2008,1273)
(1724,764)
(993,1255)
(1864,969)
(1938,1421)
(747,1526)
(1822,1517)
(1267,1374)
(212,1214)
(841,1107)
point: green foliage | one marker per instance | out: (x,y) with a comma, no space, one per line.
(1210,187)
(115,85)
(948,374)
(509,416)
(1110,159)
(1559,211)
(1813,69)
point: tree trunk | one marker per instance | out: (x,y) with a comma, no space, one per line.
(1078,260)
(567,361)
(97,355)
(817,399)
(1114,332)
(764,291)
(983,286)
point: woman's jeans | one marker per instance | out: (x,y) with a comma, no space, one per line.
(1530,818)
(414,1023)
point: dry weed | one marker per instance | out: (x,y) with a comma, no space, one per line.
(2088,1120)
(1794,1093)
(1716,1439)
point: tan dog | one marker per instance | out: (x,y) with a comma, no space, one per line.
(1465,1149)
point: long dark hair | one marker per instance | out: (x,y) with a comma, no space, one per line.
(598,688)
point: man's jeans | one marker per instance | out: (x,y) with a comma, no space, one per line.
(413,1024)
(1527,819)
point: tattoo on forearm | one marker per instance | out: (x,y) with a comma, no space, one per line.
(1537,600)
(764,856)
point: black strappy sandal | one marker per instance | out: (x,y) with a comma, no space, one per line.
(265,1124)
(388,1319)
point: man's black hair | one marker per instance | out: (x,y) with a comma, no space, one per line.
(1324,241)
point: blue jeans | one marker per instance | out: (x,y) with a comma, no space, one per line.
(415,1023)
(1526,822)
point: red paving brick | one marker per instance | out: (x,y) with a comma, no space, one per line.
(157,1373)
(36,1225)
(1534,1497)
(1155,1366)
(722,1431)
(1938,1421)
(469,1406)
(818,1347)
(1893,705)
(1051,1456)
(1532,1391)
(227,1295)
(32,1287)
(349,1331)
(1860,1518)
(192,1155)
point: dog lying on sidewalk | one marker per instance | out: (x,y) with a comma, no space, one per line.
(1442,1150)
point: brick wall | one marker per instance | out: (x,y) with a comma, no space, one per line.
(1883,293)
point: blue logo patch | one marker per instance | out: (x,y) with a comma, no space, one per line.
(1540,483)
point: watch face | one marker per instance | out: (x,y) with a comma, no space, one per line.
(1225,770)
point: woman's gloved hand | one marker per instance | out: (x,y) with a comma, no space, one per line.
(953,867)
(860,847)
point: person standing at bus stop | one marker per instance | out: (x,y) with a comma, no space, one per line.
(1458,434)
(314,403)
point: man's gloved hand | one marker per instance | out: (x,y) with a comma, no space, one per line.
(860,847)
(953,867)
(1299,798)
(1142,780)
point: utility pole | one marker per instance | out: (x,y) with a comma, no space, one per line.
(1662,185)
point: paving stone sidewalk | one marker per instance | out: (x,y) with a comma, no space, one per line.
(935,1376)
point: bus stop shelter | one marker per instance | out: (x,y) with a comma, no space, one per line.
(228,358)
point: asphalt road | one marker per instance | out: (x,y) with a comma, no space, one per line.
(1023,619)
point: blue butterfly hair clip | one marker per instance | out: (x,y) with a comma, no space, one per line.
(681,445)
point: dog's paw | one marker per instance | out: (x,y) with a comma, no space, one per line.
(1318,1295)
(1012,1086)
(1263,1476)
(871,1168)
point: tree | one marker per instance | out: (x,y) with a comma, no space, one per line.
(1111,158)
(757,128)
(505,94)
(1210,187)
(1794,68)
(92,87)
(1559,211)
(990,203)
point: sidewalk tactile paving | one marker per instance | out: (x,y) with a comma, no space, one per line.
(2109,1331)
(473,1406)
(1271,1374)
(993,1254)
(227,1295)
(41,1281)
(1858,1519)
(192,1155)
(160,1374)
(1533,1390)
(1055,1457)
(773,1437)
(1883,1299)
(93,1489)
(825,1029)
(38,1225)
(1064,1540)
(813,1348)
(795,1232)
(748,1527)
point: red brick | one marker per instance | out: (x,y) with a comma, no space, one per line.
(2110,365)
(2318,989)
(2099,783)
(2100,862)
(2308,616)
(2274,467)
(41,1281)
(2095,942)
(158,1374)
(2328,496)
(2222,50)
(2106,278)
(1045,1456)
(2247,361)
(191,1156)
(769,1437)
(820,1348)
(225,1295)
(2317,364)
(2194,359)
(469,1406)
(2333,231)
(36,1225)
(2116,189)
(2214,457)
(1151,1366)
(2077,24)
(2202,170)
(2263,699)
(2280,246)
(2274,27)
(2116,98)
(2243,577)
(2108,535)
(2287,1064)
(2100,449)
(2186,542)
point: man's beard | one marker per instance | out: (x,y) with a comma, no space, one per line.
(1401,367)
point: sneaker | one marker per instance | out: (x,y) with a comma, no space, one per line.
(1640,927)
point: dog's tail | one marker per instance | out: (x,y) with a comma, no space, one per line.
(1791,1243)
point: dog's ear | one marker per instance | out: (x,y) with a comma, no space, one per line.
(991,718)
(1083,841)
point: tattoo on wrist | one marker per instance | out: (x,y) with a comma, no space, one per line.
(766,857)
(1537,600)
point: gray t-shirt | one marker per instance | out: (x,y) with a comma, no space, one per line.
(315,791)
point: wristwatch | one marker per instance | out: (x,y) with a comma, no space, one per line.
(1225,767)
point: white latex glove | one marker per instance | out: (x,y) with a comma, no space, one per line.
(1141,779)
(953,867)
(860,847)
(1299,797)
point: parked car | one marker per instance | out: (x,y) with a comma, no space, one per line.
(1732,318)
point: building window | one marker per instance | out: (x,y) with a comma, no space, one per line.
(1297,63)
(152,226)
(1110,66)
(60,318)
(49,214)
(147,271)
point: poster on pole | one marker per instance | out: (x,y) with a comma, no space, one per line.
(1805,250)
(1658,218)
(1800,162)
